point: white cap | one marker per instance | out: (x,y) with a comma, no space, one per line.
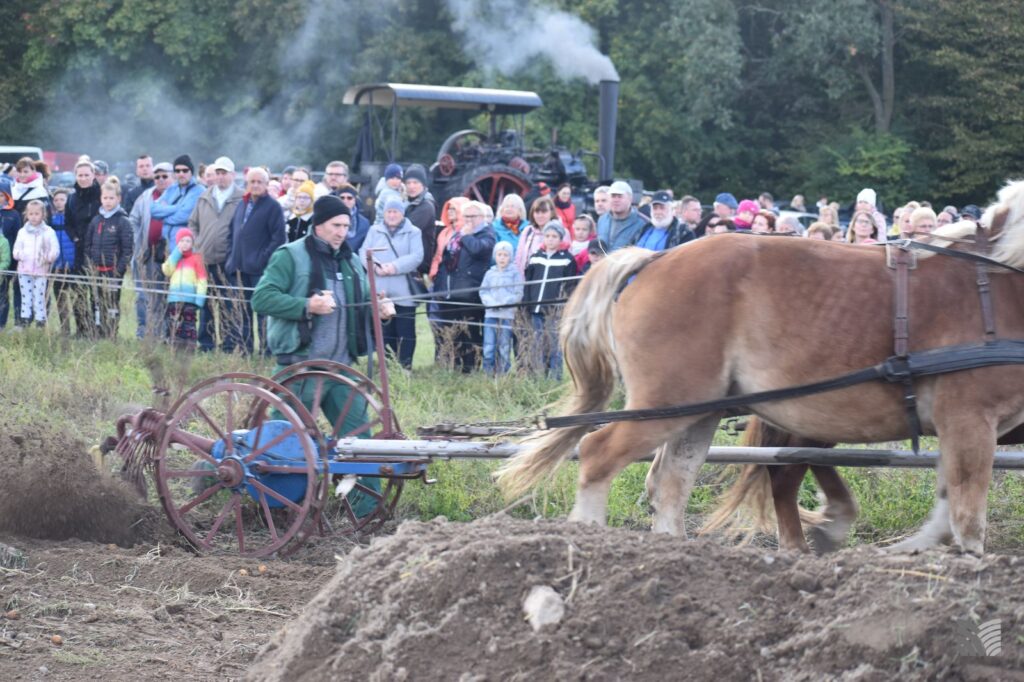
(867,195)
(223,163)
(620,187)
(163,166)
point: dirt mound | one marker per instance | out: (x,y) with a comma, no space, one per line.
(49,488)
(444,601)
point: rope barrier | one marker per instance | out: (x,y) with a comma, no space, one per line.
(154,287)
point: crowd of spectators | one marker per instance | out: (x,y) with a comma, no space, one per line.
(196,242)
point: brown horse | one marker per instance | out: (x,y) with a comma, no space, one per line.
(773,491)
(736,314)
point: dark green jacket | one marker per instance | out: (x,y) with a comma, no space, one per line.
(283,291)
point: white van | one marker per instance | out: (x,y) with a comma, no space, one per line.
(9,155)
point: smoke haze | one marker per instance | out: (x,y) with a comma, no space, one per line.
(119,110)
(508,35)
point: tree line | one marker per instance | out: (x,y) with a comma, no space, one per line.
(918,98)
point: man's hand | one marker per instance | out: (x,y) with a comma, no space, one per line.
(385,269)
(322,303)
(386,307)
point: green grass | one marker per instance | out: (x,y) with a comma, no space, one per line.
(54,383)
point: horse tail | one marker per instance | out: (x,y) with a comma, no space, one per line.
(589,351)
(752,490)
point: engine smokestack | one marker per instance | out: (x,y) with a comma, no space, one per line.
(607,119)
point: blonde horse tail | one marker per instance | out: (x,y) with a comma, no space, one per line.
(752,491)
(589,351)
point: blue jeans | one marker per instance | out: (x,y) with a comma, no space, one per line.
(497,345)
(547,352)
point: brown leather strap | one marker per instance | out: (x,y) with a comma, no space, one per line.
(902,259)
(901,323)
(984,286)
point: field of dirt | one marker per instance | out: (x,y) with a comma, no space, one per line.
(100,589)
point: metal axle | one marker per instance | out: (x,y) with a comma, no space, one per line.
(849,457)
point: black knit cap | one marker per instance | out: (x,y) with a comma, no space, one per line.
(416,172)
(185,160)
(327,207)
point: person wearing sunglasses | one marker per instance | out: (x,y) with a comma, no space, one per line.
(175,205)
(149,251)
(360,223)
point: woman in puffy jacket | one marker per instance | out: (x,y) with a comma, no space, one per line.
(465,259)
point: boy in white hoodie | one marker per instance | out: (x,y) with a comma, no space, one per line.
(35,249)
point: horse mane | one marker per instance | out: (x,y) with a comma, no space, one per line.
(1009,248)
(1008,243)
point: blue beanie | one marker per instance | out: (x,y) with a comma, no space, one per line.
(727,199)
(393,170)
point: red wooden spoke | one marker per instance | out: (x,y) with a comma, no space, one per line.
(266,514)
(199,499)
(317,396)
(274,441)
(209,420)
(239,529)
(229,420)
(369,491)
(276,495)
(363,428)
(220,520)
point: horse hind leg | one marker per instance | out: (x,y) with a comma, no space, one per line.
(785,481)
(671,478)
(840,511)
(606,452)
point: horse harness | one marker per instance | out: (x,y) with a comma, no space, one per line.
(901,257)
(902,367)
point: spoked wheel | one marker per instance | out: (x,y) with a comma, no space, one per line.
(235,451)
(345,403)
(491,184)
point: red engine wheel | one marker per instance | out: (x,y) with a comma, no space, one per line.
(491,184)
(446,164)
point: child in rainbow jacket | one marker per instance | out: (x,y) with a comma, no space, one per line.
(186,290)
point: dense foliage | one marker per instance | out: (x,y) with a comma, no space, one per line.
(921,98)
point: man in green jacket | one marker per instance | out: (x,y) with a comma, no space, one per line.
(310,292)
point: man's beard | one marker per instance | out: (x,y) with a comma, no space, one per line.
(663,222)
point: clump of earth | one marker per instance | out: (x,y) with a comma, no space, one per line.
(444,600)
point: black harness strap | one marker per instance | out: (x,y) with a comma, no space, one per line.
(894,370)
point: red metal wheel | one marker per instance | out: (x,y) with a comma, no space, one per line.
(221,474)
(365,503)
(491,184)
(446,164)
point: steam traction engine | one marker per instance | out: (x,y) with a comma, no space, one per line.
(478,165)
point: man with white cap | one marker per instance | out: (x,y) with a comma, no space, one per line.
(867,200)
(622,224)
(210,222)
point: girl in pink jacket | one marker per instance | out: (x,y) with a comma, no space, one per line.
(35,249)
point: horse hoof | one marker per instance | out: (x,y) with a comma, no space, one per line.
(820,541)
